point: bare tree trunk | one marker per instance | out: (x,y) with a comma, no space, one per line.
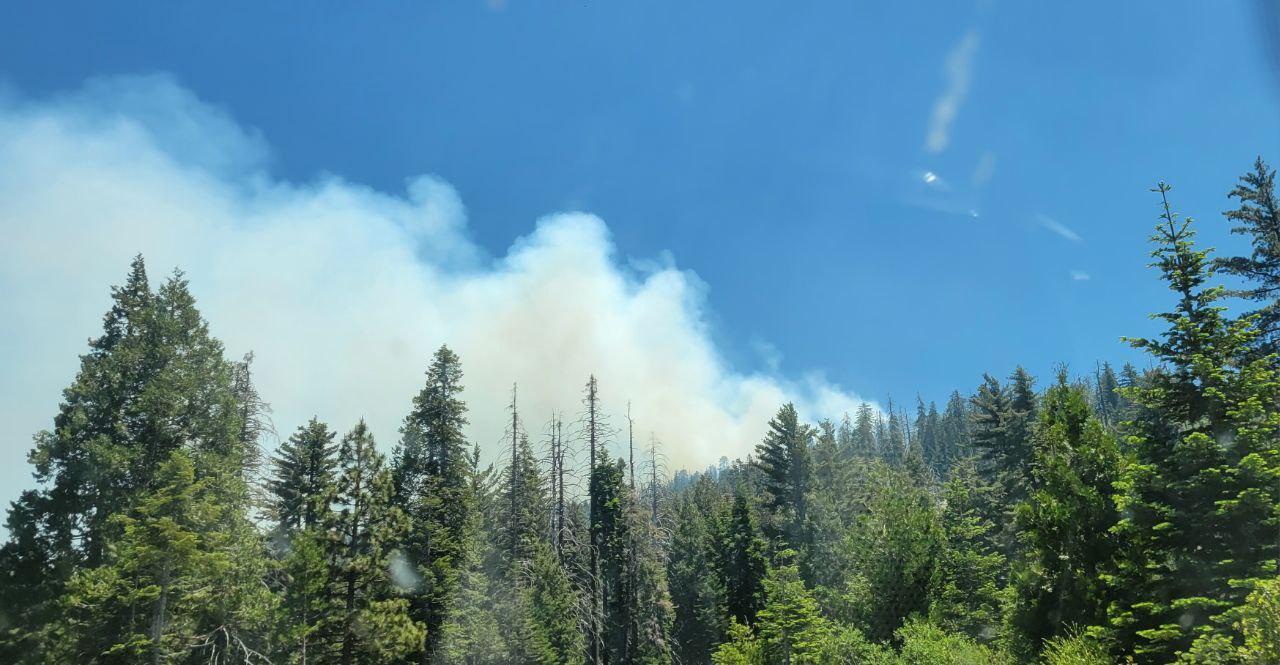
(593,436)
(653,479)
(559,438)
(515,437)
(631,446)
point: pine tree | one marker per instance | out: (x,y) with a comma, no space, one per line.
(129,408)
(553,603)
(928,444)
(432,480)
(953,429)
(610,538)
(699,622)
(180,580)
(741,562)
(894,551)
(305,599)
(470,633)
(1002,419)
(1108,404)
(1259,218)
(846,437)
(783,459)
(521,517)
(893,447)
(1199,501)
(828,466)
(650,610)
(1066,524)
(968,593)
(372,623)
(635,610)
(864,440)
(790,626)
(303,473)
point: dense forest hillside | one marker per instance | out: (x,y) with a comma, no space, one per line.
(1082,517)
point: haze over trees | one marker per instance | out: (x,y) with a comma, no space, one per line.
(1120,515)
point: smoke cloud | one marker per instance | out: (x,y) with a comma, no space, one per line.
(341,291)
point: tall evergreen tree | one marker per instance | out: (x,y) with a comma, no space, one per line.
(304,469)
(698,596)
(554,604)
(784,462)
(846,437)
(741,562)
(650,611)
(894,550)
(1002,420)
(609,535)
(828,464)
(893,443)
(864,440)
(1108,405)
(1199,502)
(432,480)
(927,441)
(791,628)
(1258,217)
(521,517)
(154,382)
(953,429)
(968,592)
(175,585)
(1066,524)
(372,622)
(470,633)
(306,602)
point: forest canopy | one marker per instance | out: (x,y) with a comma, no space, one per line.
(1123,514)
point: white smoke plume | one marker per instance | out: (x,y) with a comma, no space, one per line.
(342,292)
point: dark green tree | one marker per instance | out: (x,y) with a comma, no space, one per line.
(791,628)
(305,598)
(432,479)
(953,429)
(609,535)
(864,438)
(928,442)
(968,594)
(783,459)
(154,382)
(1108,405)
(741,562)
(554,606)
(1199,501)
(1066,524)
(471,633)
(183,581)
(698,597)
(1259,218)
(304,468)
(893,445)
(1002,419)
(372,623)
(893,551)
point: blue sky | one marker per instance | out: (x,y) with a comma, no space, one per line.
(792,157)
